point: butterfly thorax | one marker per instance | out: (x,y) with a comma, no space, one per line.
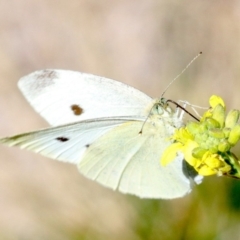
(162,118)
(161,111)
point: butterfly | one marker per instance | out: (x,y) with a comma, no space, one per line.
(114,133)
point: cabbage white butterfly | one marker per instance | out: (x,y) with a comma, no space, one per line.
(104,127)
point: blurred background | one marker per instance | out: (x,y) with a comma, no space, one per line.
(144,44)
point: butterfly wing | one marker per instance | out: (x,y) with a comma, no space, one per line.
(126,160)
(113,152)
(62,96)
(66,142)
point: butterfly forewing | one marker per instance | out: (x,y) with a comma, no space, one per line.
(62,96)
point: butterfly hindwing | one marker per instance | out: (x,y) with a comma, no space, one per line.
(65,143)
(126,160)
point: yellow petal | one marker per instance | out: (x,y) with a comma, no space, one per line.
(188,150)
(212,160)
(170,153)
(206,171)
(215,100)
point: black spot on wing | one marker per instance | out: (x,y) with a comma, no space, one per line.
(87,145)
(77,110)
(62,139)
(47,74)
(43,79)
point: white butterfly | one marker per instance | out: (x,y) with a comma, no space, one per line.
(99,125)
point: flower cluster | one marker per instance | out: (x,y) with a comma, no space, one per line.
(206,145)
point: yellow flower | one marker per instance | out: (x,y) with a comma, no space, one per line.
(213,164)
(206,144)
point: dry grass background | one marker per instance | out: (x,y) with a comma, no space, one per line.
(144,44)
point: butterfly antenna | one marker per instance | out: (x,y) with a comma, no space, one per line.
(140,132)
(180,74)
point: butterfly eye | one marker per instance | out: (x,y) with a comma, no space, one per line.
(157,109)
(76,109)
